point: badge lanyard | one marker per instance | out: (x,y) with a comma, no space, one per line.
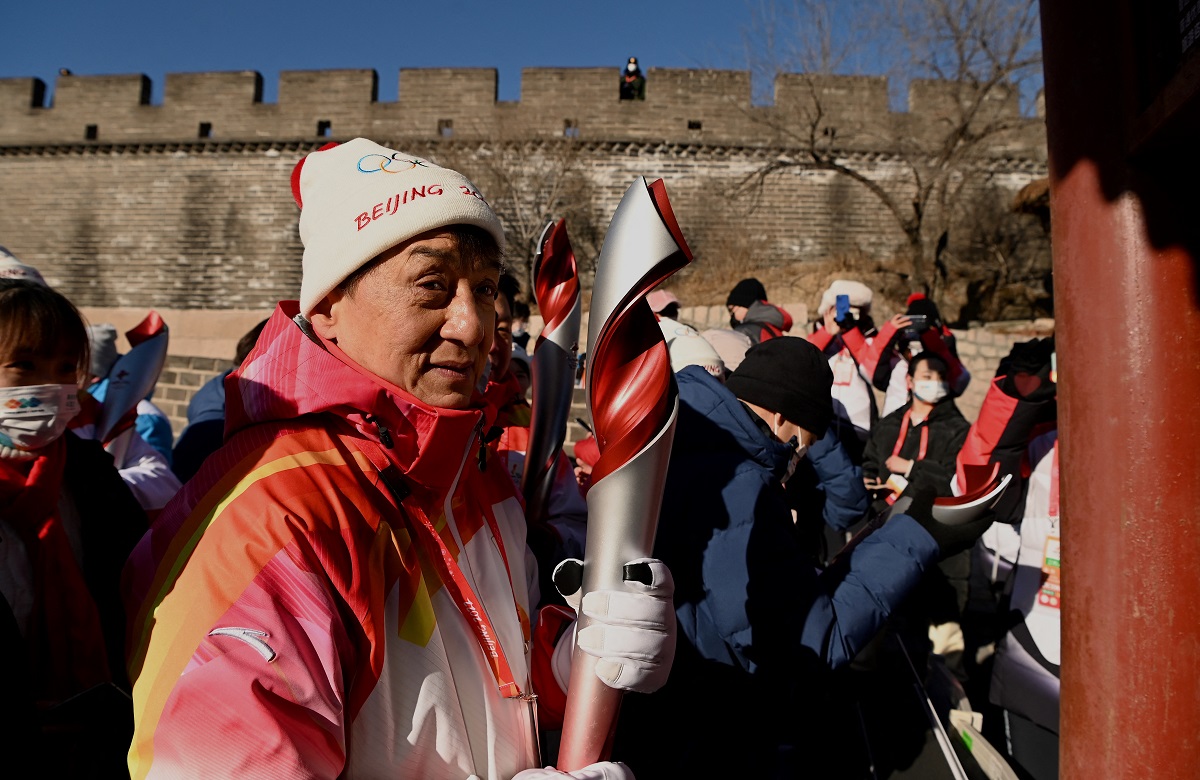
(451,574)
(1053,511)
(904,435)
(1050,593)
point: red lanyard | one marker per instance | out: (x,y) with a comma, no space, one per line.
(1054,484)
(904,434)
(448,570)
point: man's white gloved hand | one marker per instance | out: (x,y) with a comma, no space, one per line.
(632,630)
(604,770)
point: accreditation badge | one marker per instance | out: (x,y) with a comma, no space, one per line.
(1050,594)
(843,369)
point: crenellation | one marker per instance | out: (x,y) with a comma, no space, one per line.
(324,103)
(229,90)
(935,100)
(326,89)
(698,104)
(846,109)
(211,105)
(587,97)
(681,106)
(22,95)
(424,109)
(699,89)
(424,89)
(90,93)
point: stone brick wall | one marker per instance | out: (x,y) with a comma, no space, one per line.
(214,226)
(151,214)
(180,379)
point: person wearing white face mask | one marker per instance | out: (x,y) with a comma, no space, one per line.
(67,525)
(924,434)
(760,629)
(921,440)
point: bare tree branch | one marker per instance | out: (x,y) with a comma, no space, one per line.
(981,53)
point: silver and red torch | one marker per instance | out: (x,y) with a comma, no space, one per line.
(634,404)
(555,355)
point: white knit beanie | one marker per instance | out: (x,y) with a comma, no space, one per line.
(359,199)
(859,294)
(686,348)
(731,345)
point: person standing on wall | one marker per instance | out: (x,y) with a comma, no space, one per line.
(633,81)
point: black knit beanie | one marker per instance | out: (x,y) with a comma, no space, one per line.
(926,307)
(790,376)
(746,292)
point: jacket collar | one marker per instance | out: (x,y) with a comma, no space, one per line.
(293,372)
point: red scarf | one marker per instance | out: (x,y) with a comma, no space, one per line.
(65,641)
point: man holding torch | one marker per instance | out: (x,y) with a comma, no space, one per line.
(342,589)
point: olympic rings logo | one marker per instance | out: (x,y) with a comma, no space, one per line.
(389,164)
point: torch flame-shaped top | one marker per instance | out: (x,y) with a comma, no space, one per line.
(631,388)
(556,280)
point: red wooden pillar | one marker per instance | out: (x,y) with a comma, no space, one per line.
(1124,210)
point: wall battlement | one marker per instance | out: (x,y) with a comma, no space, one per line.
(681,105)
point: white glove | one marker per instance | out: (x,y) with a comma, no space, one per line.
(632,630)
(604,770)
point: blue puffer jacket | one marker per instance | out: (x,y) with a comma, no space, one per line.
(734,553)
(758,625)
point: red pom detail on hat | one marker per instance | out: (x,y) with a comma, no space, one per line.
(296,173)
(917,296)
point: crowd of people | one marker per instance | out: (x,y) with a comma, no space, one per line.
(330,572)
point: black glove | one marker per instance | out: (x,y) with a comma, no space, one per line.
(951,539)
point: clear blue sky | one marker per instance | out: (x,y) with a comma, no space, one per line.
(156,38)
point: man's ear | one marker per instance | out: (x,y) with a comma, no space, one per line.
(326,317)
(777,421)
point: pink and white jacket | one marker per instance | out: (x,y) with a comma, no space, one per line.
(290,614)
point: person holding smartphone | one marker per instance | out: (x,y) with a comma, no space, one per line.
(919,329)
(845,333)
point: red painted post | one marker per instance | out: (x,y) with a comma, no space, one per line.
(1128,339)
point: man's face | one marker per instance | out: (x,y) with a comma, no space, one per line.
(423,319)
(737,313)
(501,354)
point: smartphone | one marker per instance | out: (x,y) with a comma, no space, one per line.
(842,307)
(919,321)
